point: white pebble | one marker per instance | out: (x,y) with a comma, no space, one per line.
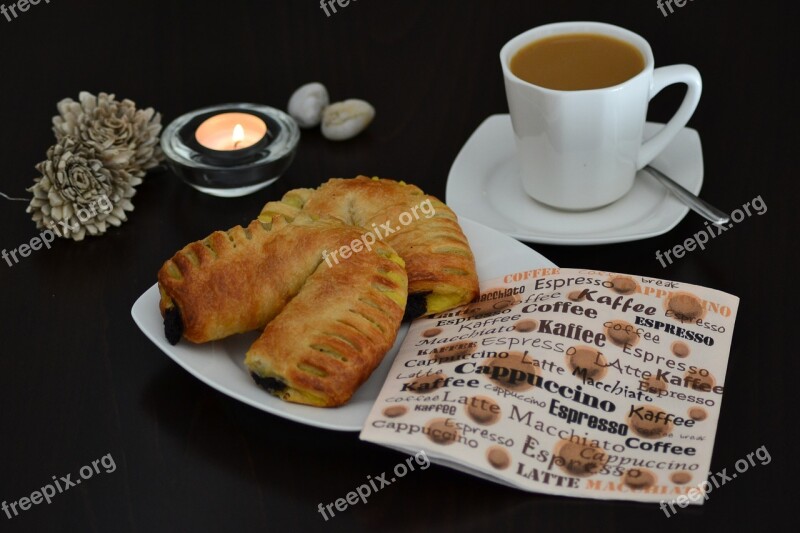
(307,103)
(345,120)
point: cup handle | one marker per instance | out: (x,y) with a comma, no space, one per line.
(663,77)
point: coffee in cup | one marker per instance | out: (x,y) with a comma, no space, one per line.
(578,94)
(577,62)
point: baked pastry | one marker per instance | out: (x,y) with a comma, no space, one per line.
(236,281)
(327,341)
(423,231)
(329,325)
(327,320)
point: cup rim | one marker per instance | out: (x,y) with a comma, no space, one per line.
(560,28)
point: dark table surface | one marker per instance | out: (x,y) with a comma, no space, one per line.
(78,380)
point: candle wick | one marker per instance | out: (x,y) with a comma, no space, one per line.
(236,145)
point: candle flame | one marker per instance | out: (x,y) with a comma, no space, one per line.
(238,135)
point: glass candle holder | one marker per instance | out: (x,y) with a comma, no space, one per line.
(231,150)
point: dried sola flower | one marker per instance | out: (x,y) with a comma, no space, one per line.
(77,193)
(122,136)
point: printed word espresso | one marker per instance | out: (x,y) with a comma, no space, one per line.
(557,284)
(608,463)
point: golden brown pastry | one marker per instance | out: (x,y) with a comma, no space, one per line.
(331,324)
(327,341)
(328,274)
(423,231)
(236,281)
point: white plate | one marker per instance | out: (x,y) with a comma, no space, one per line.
(484,185)
(221,364)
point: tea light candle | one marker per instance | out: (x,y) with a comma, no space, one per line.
(231,150)
(231,131)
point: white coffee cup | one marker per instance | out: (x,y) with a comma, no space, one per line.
(581,149)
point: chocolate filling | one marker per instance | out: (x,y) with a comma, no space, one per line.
(271,385)
(173,325)
(416,305)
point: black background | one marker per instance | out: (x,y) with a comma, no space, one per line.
(78,380)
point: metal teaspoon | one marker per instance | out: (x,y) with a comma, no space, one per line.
(699,206)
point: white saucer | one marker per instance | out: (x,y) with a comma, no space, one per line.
(484,185)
